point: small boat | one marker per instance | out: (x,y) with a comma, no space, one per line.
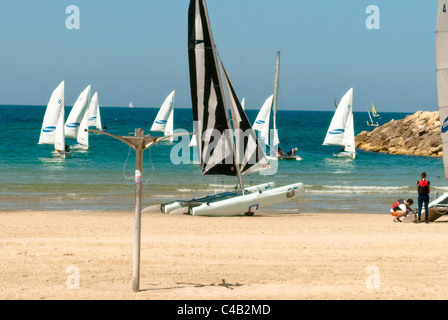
(77,121)
(77,113)
(131,105)
(223,149)
(52,131)
(94,113)
(262,123)
(83,135)
(164,120)
(371,124)
(374,113)
(341,130)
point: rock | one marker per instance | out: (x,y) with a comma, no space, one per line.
(417,134)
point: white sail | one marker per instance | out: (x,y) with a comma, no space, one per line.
(439,206)
(338,126)
(83,135)
(262,121)
(94,113)
(77,113)
(371,121)
(442,76)
(51,117)
(243,102)
(349,136)
(59,141)
(165,117)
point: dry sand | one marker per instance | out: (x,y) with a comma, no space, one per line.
(268,256)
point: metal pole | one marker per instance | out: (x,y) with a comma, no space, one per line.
(139,143)
(138,211)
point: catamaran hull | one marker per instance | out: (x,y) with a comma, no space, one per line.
(255,198)
(248,204)
(345,154)
(437,208)
(61,154)
(296,158)
(182,206)
(79,147)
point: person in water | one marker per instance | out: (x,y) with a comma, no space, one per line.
(423,196)
(280,152)
(401,208)
(292,152)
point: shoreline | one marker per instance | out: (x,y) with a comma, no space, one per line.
(265,257)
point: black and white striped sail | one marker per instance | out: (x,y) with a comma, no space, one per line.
(442,75)
(249,153)
(212,126)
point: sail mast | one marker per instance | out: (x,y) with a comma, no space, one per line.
(274,141)
(277,74)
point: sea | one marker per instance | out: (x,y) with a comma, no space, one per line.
(102,177)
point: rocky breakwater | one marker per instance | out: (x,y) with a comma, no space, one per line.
(417,134)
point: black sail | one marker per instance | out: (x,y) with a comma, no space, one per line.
(220,151)
(249,153)
(210,114)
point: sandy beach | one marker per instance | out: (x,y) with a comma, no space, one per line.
(88,255)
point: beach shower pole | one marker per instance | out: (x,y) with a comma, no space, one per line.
(138,210)
(139,143)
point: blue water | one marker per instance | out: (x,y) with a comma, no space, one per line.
(102,178)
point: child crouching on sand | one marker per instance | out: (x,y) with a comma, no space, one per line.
(401,208)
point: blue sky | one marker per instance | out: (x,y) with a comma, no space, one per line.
(137,50)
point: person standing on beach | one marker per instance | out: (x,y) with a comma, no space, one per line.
(423,196)
(401,208)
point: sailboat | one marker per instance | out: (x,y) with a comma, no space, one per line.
(52,131)
(94,113)
(165,117)
(223,149)
(372,124)
(83,135)
(341,130)
(262,122)
(77,113)
(77,120)
(439,206)
(131,105)
(374,113)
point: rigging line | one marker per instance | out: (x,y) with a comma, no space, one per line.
(153,169)
(125,164)
(124,167)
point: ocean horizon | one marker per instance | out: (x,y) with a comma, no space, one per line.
(102,177)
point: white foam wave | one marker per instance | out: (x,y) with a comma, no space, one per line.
(353,189)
